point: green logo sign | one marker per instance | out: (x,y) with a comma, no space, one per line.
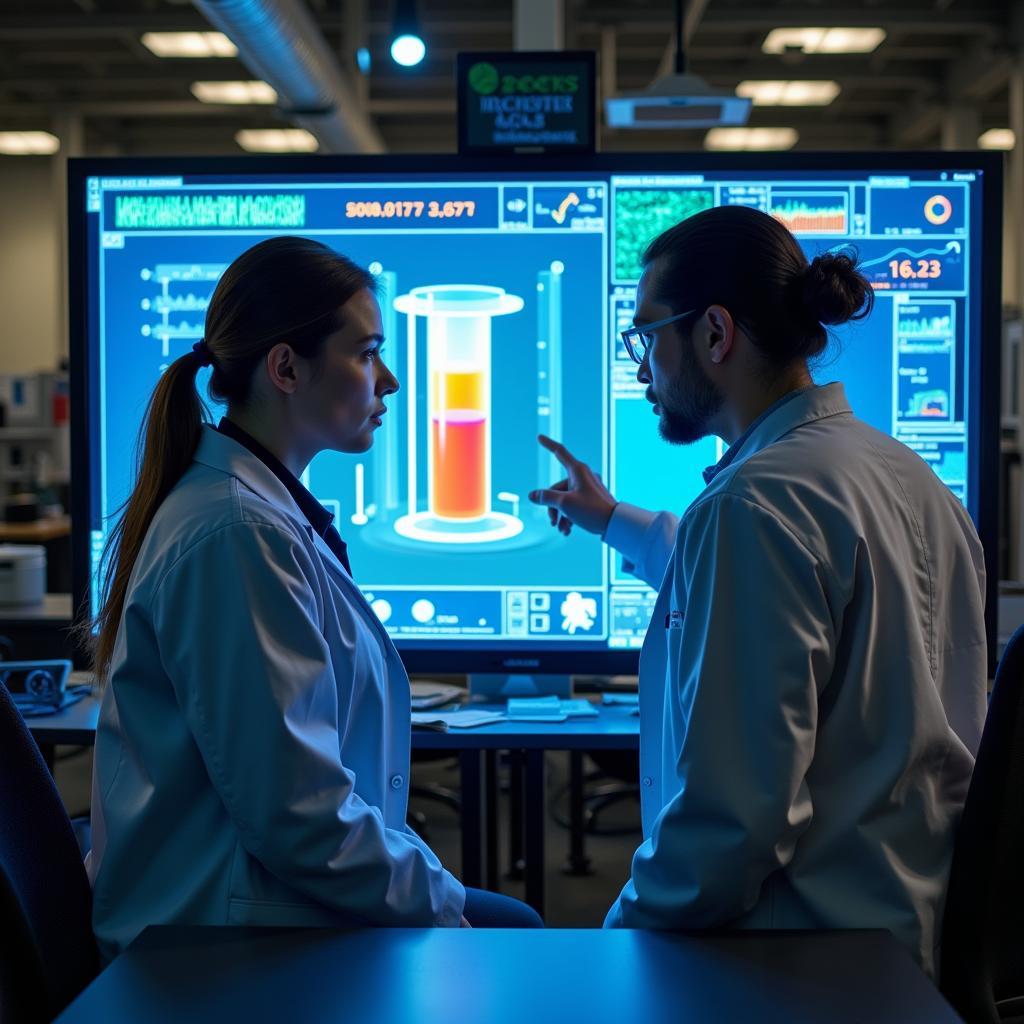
(483,78)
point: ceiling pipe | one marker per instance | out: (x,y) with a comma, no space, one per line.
(540,24)
(279,41)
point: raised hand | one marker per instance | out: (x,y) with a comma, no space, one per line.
(579,499)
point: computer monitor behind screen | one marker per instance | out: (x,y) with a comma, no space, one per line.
(503,286)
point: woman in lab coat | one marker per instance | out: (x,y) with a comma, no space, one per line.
(252,754)
(812,684)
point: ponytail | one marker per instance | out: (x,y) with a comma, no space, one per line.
(167,443)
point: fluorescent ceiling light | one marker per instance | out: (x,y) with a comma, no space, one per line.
(234,92)
(823,40)
(997,138)
(277,140)
(750,138)
(789,94)
(28,143)
(189,44)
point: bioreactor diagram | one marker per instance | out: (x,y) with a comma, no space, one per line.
(458,319)
(447,489)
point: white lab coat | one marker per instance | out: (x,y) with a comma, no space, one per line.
(812,686)
(252,755)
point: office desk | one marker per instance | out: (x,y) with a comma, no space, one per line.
(54,533)
(39,631)
(439,975)
(614,729)
(54,608)
(36,532)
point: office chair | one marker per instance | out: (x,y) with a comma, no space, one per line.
(982,966)
(444,795)
(590,793)
(47,950)
(623,765)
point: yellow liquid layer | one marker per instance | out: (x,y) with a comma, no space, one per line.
(457,389)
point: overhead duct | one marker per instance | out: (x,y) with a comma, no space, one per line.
(279,41)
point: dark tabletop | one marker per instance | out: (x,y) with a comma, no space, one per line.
(554,976)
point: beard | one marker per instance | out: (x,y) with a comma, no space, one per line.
(688,402)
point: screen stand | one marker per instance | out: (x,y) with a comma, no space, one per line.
(494,688)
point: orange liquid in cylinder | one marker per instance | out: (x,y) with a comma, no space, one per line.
(459,438)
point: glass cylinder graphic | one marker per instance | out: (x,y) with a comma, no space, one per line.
(458,419)
(459,372)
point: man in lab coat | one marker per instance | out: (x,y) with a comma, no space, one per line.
(812,684)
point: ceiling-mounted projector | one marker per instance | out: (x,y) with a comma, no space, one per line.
(676,101)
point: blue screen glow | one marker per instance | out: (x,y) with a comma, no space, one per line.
(502,297)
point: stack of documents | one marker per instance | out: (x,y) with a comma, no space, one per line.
(630,700)
(428,694)
(442,721)
(548,709)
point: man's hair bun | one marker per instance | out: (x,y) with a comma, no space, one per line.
(834,291)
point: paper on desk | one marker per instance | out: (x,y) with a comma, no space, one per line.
(444,720)
(426,694)
(537,718)
(627,699)
(535,709)
(548,709)
(579,708)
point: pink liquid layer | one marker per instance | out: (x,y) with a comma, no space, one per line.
(458,437)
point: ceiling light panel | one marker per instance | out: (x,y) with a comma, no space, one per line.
(189,44)
(823,40)
(789,94)
(997,138)
(750,138)
(234,92)
(276,140)
(28,143)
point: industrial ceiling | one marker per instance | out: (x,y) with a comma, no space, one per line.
(78,68)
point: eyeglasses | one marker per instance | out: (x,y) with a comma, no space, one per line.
(639,339)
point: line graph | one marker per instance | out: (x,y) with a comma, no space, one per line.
(900,265)
(926,327)
(903,252)
(168,303)
(177,303)
(811,213)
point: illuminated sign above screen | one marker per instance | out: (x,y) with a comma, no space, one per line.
(526,101)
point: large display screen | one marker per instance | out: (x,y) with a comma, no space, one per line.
(503,289)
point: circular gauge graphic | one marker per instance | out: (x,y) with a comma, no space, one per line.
(938,209)
(423,611)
